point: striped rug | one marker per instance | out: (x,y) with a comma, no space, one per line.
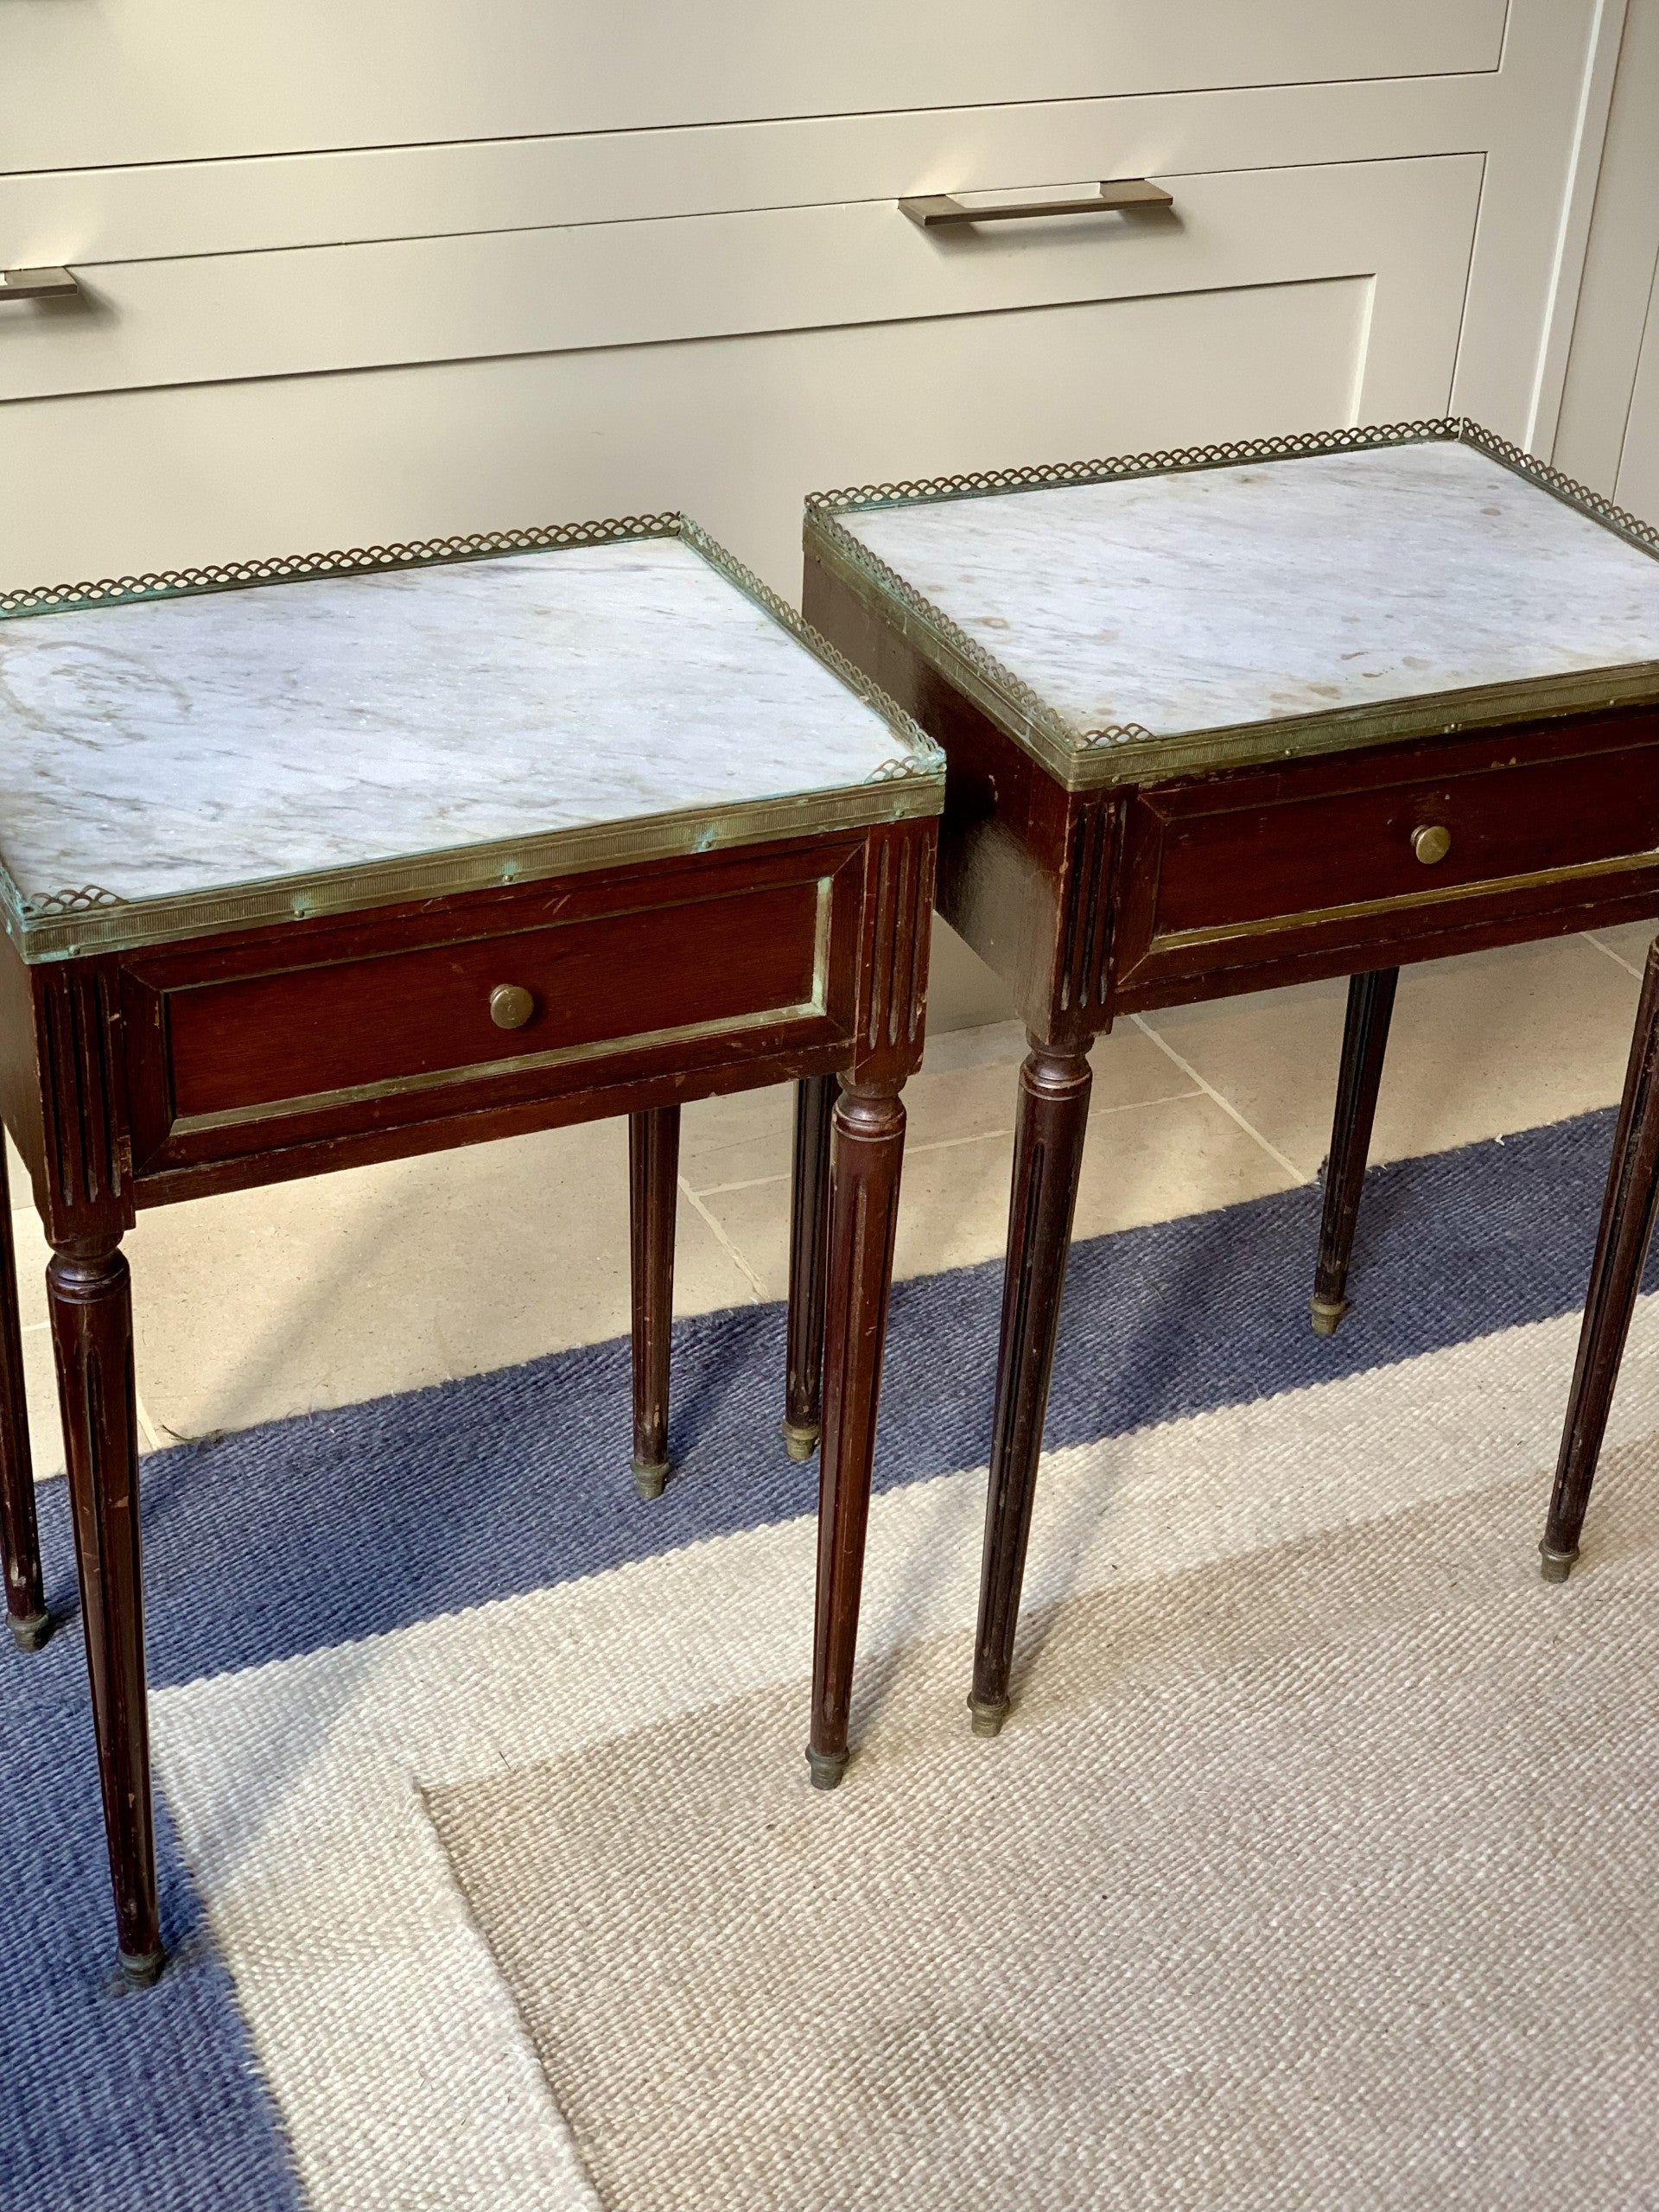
(1313,1867)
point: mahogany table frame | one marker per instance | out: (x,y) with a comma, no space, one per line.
(216,1059)
(1123,882)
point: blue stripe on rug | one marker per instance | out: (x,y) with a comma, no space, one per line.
(109,2103)
(340,1525)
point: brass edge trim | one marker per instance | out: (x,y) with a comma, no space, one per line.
(13,919)
(1085,759)
(1484,887)
(921,756)
(1052,475)
(127,926)
(1348,729)
(1007,699)
(358,1094)
(360,561)
(1567,489)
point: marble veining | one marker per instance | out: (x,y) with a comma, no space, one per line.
(1233,596)
(191,744)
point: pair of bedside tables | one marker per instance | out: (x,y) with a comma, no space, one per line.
(433,844)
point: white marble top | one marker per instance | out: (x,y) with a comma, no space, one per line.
(1214,598)
(189,744)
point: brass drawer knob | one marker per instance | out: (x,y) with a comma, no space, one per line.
(511,1006)
(1432,842)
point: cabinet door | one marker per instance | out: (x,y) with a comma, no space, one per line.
(1638,467)
(90,83)
(724,364)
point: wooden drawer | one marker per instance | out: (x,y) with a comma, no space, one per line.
(388,1019)
(1232,869)
(266,78)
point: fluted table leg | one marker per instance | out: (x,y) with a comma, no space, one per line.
(809,1224)
(20,1541)
(90,1300)
(1053,1115)
(1627,1219)
(653,1188)
(1364,1043)
(867,1152)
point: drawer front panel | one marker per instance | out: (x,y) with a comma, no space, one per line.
(421,1019)
(1240,863)
(280,79)
(216,317)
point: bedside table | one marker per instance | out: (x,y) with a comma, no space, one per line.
(1224,719)
(340,858)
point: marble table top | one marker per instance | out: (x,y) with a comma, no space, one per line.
(1193,617)
(609,700)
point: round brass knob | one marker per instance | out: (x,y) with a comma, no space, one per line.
(511,1006)
(1432,842)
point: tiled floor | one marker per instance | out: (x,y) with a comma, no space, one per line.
(275,1301)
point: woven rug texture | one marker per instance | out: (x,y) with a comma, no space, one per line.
(1315,1869)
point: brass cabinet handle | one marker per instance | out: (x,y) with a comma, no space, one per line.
(37,284)
(1432,842)
(511,1006)
(1121,192)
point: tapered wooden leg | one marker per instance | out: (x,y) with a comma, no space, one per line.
(1364,1042)
(1053,1115)
(20,1541)
(1627,1218)
(808,1223)
(90,1300)
(866,1151)
(653,1185)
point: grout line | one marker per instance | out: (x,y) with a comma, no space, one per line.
(149,1428)
(1617,958)
(726,1244)
(1225,1104)
(979,1136)
(32,1328)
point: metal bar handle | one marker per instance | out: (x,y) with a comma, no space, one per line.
(37,284)
(1119,191)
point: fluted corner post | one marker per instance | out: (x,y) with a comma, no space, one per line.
(653,1188)
(20,1541)
(809,1225)
(91,1298)
(867,1153)
(1626,1230)
(1364,1044)
(1054,1116)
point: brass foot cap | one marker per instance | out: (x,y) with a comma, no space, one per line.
(142,1970)
(827,1767)
(648,1480)
(800,1442)
(1326,1312)
(1556,1565)
(30,1631)
(988,1718)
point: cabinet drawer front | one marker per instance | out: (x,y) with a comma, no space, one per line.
(1240,862)
(239,1046)
(216,317)
(281,79)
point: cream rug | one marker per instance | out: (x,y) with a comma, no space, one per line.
(1324,1876)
